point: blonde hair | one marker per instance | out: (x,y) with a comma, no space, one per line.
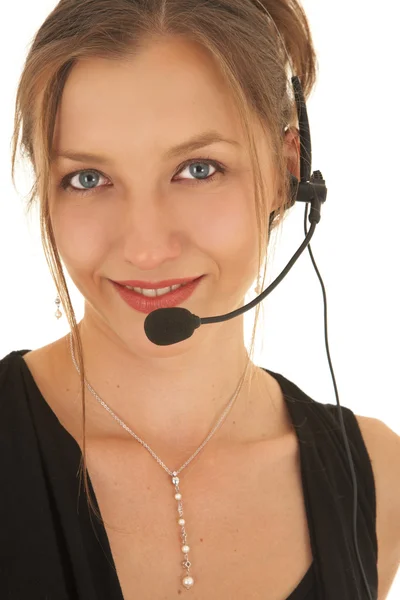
(242,40)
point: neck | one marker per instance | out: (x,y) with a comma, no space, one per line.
(171,402)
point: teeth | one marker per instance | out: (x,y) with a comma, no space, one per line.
(153,293)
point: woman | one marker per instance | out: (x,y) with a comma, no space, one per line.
(161,134)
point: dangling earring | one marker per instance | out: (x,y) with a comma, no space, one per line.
(58,313)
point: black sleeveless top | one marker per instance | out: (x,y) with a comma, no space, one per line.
(51,548)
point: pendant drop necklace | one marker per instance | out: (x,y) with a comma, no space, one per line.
(187,580)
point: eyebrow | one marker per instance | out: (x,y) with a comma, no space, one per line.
(200,141)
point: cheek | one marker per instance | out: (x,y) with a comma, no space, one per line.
(80,238)
(229,228)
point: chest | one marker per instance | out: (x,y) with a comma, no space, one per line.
(245,520)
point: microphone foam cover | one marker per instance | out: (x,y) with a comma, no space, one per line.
(166,326)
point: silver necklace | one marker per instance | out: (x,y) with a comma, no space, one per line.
(187,580)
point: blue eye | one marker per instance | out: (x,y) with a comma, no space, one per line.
(90,177)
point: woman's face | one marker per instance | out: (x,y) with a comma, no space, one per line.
(140,211)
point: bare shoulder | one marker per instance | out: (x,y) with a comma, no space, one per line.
(383,447)
(44,357)
(37,361)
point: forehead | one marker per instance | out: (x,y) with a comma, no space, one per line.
(166,92)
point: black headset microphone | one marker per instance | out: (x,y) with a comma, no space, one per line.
(166,326)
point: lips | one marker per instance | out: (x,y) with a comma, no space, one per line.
(146,304)
(156,285)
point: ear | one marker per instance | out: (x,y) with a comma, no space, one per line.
(292,150)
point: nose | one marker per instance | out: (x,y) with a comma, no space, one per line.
(151,235)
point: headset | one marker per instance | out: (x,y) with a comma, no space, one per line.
(166,326)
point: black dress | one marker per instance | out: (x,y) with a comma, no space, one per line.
(49,550)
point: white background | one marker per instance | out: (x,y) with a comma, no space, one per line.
(353,114)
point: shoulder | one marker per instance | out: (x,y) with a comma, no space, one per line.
(383,446)
(7,364)
(13,378)
(10,370)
